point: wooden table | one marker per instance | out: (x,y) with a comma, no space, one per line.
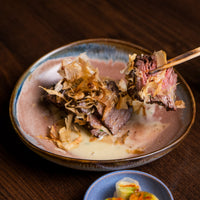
(30,29)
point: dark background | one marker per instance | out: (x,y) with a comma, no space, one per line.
(30,29)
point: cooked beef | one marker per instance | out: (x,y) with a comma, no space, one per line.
(168,87)
(111,85)
(100,108)
(58,102)
(113,122)
(97,132)
(95,126)
(117,118)
(114,119)
(152,88)
(143,64)
(98,127)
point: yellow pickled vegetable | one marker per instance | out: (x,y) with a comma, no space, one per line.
(142,196)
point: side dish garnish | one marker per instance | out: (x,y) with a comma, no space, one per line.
(126,187)
(129,189)
(104,106)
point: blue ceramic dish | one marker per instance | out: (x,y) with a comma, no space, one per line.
(102,49)
(104,187)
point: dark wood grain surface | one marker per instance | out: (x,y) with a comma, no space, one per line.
(30,29)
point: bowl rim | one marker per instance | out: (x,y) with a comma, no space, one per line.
(35,148)
(135,172)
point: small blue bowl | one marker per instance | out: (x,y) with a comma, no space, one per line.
(104,187)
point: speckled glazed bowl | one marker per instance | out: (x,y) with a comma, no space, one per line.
(102,49)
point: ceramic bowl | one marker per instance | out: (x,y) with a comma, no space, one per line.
(102,49)
(104,187)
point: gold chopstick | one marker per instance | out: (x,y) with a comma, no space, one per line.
(178,60)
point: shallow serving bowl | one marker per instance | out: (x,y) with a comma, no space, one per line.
(101,49)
